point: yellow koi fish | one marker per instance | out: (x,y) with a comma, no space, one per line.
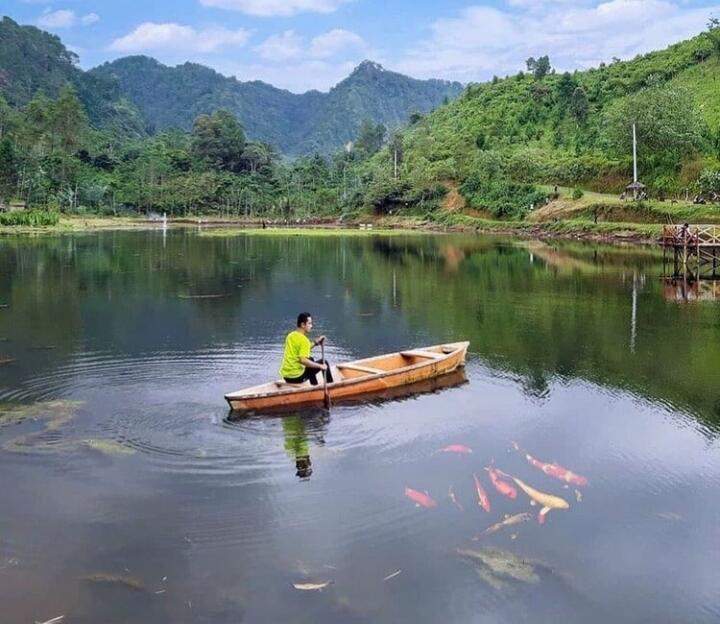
(548,502)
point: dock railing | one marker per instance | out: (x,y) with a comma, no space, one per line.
(693,251)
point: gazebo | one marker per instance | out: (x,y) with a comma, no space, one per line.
(636,188)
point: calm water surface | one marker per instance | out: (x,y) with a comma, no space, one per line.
(129,497)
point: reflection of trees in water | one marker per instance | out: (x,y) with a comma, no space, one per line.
(535,309)
(566,311)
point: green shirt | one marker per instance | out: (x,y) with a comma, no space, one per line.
(297,345)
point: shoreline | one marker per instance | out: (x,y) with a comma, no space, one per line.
(560,229)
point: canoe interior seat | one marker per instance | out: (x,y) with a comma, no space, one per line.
(362,369)
(420,353)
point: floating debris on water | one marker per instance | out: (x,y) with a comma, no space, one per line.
(453,498)
(6,361)
(119,580)
(312,586)
(214,296)
(55,620)
(393,575)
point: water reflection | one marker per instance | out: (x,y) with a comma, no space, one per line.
(576,353)
(297,446)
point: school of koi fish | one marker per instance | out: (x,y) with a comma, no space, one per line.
(504,484)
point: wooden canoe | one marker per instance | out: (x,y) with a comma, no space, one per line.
(354,380)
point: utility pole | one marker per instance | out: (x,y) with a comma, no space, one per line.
(635,176)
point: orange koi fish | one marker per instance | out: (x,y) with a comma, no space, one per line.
(455,448)
(505,488)
(483,499)
(420,498)
(453,498)
(554,470)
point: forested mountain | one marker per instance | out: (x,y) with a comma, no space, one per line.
(33,61)
(171,97)
(138,94)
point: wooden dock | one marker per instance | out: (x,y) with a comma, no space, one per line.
(691,251)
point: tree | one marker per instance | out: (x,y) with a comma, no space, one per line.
(218,141)
(579,105)
(566,87)
(714,33)
(669,125)
(8,168)
(539,67)
(68,122)
(370,137)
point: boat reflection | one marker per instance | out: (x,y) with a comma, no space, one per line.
(302,428)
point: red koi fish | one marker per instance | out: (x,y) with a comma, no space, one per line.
(505,488)
(420,498)
(557,471)
(483,499)
(455,448)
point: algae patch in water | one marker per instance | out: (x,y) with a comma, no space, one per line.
(107,447)
(55,413)
(499,568)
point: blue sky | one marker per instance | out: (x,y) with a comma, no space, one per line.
(306,44)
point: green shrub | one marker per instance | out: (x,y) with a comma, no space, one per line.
(577,193)
(33,218)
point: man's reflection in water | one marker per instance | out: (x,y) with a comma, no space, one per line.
(296,429)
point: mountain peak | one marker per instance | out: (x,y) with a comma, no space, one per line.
(369,67)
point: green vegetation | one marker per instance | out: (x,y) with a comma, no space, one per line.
(500,151)
(32,218)
(296,124)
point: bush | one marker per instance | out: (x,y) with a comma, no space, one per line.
(33,218)
(577,193)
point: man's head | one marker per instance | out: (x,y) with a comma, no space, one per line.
(304,321)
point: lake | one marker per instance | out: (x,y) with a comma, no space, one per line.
(130,496)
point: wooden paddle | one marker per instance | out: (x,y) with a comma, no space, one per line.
(326,398)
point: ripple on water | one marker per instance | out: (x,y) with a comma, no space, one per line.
(86,372)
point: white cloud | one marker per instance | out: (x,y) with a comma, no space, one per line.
(334,42)
(269,8)
(298,77)
(282,47)
(482,40)
(63,18)
(89,19)
(171,36)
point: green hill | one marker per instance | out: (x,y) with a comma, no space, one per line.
(567,129)
(171,97)
(33,61)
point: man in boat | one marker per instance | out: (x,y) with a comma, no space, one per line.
(297,365)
